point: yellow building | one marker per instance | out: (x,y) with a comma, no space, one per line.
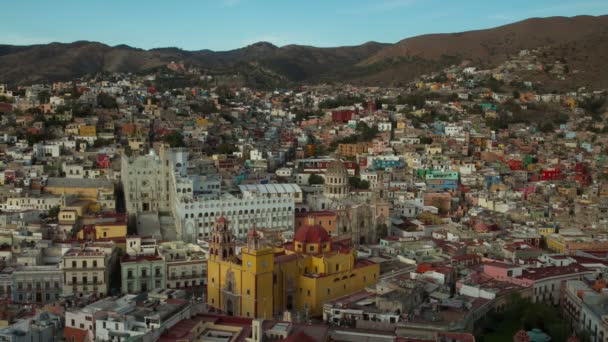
(304,274)
(103,231)
(202,122)
(556,243)
(86,188)
(87,131)
(544,231)
(401,124)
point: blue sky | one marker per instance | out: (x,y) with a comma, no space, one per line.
(229,24)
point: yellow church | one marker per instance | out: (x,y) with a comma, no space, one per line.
(264,281)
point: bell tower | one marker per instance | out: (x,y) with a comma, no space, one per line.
(253,239)
(222,243)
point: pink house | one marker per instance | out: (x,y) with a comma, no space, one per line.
(502,271)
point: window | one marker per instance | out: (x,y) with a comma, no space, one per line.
(308,293)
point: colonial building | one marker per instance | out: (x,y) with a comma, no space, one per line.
(186,264)
(85,272)
(269,206)
(355,217)
(304,274)
(36,284)
(146,181)
(142,268)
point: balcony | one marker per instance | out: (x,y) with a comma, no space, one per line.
(81,283)
(185,276)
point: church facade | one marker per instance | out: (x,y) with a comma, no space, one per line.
(264,282)
(358,218)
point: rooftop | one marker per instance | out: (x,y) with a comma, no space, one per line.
(270,188)
(79,183)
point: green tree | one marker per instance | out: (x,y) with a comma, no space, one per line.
(516,94)
(382,231)
(226,148)
(102,142)
(54,211)
(174,139)
(106,101)
(44,96)
(547,127)
(315,179)
(425,140)
(357,183)
(6,99)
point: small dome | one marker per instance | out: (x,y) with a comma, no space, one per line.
(336,168)
(311,234)
(253,233)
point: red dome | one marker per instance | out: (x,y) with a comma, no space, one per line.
(311,234)
(253,233)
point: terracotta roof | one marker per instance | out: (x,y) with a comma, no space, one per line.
(300,336)
(312,234)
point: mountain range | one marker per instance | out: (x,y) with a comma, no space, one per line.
(581,41)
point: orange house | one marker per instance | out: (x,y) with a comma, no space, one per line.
(326,219)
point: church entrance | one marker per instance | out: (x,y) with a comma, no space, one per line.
(289,304)
(229,308)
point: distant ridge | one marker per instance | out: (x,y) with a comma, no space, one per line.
(582,40)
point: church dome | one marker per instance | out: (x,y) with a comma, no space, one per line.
(336,180)
(312,234)
(336,168)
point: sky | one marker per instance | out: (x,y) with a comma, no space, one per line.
(229,24)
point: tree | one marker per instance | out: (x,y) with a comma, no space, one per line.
(105,100)
(174,139)
(547,127)
(382,231)
(516,94)
(315,179)
(100,142)
(425,140)
(357,183)
(44,96)
(53,213)
(6,99)
(225,148)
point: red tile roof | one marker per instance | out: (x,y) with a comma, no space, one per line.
(299,336)
(552,271)
(312,234)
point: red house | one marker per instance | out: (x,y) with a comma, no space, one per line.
(551,174)
(515,165)
(103,161)
(342,116)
